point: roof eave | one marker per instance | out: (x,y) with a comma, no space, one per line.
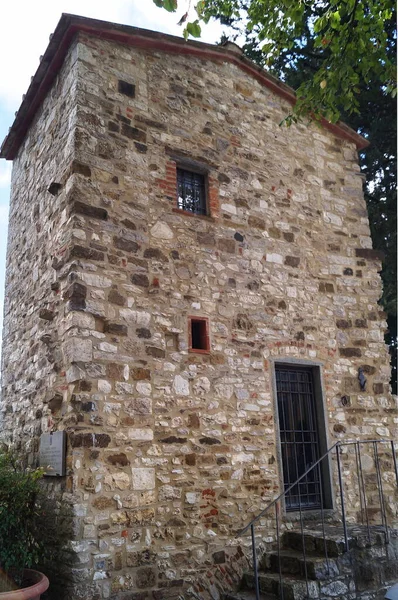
(70,25)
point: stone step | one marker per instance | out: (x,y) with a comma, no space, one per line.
(294,588)
(292,562)
(314,542)
(315,545)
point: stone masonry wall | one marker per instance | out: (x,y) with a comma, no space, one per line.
(170,452)
(31,355)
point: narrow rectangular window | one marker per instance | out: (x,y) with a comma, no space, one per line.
(199,339)
(191,192)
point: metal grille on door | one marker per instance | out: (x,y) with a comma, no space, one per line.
(299,436)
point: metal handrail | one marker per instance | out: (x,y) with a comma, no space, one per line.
(339,443)
(362,496)
(271,504)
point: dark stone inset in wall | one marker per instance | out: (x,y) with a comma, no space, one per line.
(141,147)
(87,253)
(54,188)
(292,261)
(256,222)
(143,332)
(115,328)
(327,288)
(118,459)
(125,244)
(350,352)
(209,441)
(190,460)
(223,178)
(155,352)
(114,127)
(129,224)
(90,211)
(55,403)
(140,280)
(46,314)
(116,298)
(344,323)
(81,169)
(172,439)
(289,237)
(219,557)
(378,388)
(89,440)
(133,133)
(155,253)
(139,374)
(128,89)
(361,323)
(369,253)
(76,294)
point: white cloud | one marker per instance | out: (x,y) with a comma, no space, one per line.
(25,27)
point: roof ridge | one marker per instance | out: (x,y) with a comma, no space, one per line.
(65,32)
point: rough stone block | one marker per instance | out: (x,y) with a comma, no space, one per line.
(78,350)
(143,478)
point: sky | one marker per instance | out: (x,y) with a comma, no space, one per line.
(25,28)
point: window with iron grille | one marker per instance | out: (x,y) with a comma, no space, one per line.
(191,192)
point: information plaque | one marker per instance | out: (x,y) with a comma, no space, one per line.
(52,453)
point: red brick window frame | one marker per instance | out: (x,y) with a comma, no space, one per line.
(198,335)
(169,186)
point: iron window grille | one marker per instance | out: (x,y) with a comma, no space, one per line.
(191,192)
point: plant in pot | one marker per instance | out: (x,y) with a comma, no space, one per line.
(21,541)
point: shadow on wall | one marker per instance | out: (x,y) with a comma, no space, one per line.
(56,523)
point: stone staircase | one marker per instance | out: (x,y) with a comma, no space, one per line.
(365,572)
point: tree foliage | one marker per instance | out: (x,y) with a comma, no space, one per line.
(340,56)
(376,119)
(346,39)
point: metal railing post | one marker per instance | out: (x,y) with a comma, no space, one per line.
(363,489)
(278,541)
(381,495)
(256,582)
(394,458)
(342,498)
(363,502)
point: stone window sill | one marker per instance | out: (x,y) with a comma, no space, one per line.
(179,211)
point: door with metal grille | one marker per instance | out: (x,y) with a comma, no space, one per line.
(299,436)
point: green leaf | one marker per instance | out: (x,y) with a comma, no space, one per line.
(335,20)
(158,3)
(170,5)
(200,7)
(194,29)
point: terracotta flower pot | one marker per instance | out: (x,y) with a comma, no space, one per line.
(39,585)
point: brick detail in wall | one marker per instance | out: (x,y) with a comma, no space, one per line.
(170,452)
(168,187)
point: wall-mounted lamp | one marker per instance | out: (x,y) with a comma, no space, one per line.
(362,379)
(345,400)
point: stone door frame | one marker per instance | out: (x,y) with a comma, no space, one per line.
(322,424)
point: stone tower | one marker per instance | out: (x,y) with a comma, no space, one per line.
(173,256)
